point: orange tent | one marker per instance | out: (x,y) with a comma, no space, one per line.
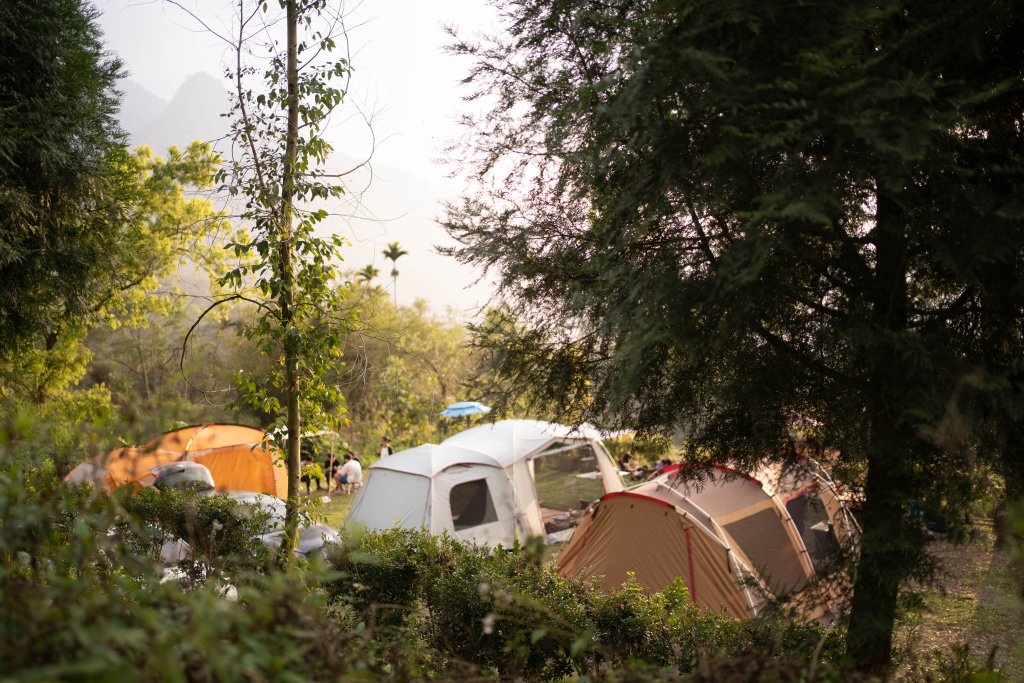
(239,459)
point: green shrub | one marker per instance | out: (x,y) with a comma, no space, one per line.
(220,533)
(504,613)
(83,603)
(479,606)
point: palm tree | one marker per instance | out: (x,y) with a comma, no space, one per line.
(394,252)
(367,273)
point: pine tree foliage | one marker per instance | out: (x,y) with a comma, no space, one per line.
(736,218)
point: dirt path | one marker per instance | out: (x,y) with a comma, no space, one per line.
(975,603)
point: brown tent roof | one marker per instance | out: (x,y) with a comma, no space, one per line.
(805,478)
(755,524)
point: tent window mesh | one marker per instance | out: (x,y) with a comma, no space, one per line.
(472,505)
(811,520)
(568,479)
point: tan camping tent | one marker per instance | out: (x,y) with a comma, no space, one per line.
(239,459)
(760,526)
(755,523)
(657,541)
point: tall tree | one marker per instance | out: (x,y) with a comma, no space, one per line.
(402,365)
(394,252)
(163,225)
(730,217)
(62,176)
(278,167)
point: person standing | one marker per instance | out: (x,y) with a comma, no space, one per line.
(385,447)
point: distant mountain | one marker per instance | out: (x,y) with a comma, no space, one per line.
(194,113)
(378,207)
(139,107)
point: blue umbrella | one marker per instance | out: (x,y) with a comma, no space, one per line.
(463,408)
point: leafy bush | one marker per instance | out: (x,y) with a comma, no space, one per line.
(503,612)
(84,599)
(220,534)
(82,603)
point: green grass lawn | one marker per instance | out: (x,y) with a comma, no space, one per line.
(334,513)
(564,490)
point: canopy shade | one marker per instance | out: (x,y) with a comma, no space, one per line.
(510,440)
(464,408)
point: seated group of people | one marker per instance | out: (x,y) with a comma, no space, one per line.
(629,467)
(346,475)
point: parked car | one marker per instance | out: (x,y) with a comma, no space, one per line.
(191,476)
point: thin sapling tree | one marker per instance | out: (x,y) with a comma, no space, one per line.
(278,169)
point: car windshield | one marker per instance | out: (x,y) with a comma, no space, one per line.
(187,480)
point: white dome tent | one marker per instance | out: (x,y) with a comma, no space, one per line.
(490,484)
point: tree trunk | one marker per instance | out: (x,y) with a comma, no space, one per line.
(887,544)
(291,350)
(142,367)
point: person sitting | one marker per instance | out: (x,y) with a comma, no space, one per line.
(350,476)
(331,466)
(628,466)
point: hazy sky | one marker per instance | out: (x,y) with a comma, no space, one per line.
(401,76)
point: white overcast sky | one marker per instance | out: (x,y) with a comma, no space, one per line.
(401,75)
